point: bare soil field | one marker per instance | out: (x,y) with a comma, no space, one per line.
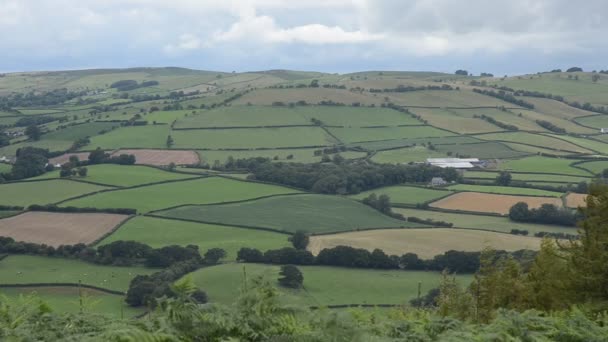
(575,200)
(56,229)
(425,242)
(64,158)
(490,203)
(161,157)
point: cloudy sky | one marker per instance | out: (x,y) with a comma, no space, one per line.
(503,37)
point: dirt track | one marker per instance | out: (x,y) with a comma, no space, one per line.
(161,157)
(56,229)
(490,203)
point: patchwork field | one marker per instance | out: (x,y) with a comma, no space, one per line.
(408,142)
(310,95)
(324,285)
(425,242)
(484,222)
(535,140)
(590,144)
(490,203)
(44,192)
(66,299)
(311,213)
(157,232)
(449,120)
(122,175)
(595,167)
(244,116)
(406,194)
(442,98)
(595,121)
(300,155)
(149,136)
(28,269)
(556,108)
(249,138)
(161,157)
(506,190)
(55,229)
(199,191)
(543,165)
(351,135)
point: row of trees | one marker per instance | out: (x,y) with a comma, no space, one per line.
(346,177)
(495,122)
(546,213)
(346,256)
(550,126)
(38,99)
(505,97)
(404,89)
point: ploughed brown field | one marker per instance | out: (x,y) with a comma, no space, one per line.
(64,158)
(575,200)
(426,242)
(161,157)
(55,229)
(490,203)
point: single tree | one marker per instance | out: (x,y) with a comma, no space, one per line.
(82,172)
(170,141)
(504,179)
(299,239)
(33,132)
(291,277)
(214,255)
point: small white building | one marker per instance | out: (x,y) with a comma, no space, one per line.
(456,163)
(438,181)
(604,130)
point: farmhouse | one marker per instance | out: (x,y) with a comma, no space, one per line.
(457,163)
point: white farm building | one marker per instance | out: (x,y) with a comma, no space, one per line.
(457,163)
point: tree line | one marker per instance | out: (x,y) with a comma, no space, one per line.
(346,256)
(344,177)
(546,213)
(505,97)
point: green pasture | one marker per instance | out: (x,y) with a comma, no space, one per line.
(408,142)
(249,138)
(596,121)
(122,175)
(67,299)
(447,119)
(323,285)
(300,155)
(5,168)
(595,167)
(543,164)
(534,139)
(310,95)
(406,155)
(535,149)
(357,116)
(408,195)
(509,116)
(157,232)
(244,116)
(506,190)
(494,223)
(199,191)
(556,108)
(29,269)
(167,117)
(311,213)
(443,98)
(353,134)
(149,136)
(43,192)
(568,125)
(483,150)
(590,144)
(529,177)
(73,133)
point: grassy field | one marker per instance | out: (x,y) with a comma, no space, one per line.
(149,136)
(597,121)
(311,213)
(244,116)
(569,126)
(166,117)
(5,168)
(479,202)
(425,242)
(7,213)
(447,119)
(589,144)
(397,143)
(43,192)
(529,177)
(406,155)
(122,175)
(356,116)
(499,224)
(310,95)
(595,167)
(28,269)
(76,132)
(535,149)
(507,190)
(484,150)
(406,194)
(543,164)
(66,299)
(248,138)
(300,155)
(535,140)
(200,191)
(158,232)
(510,116)
(442,98)
(556,108)
(324,285)
(351,135)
